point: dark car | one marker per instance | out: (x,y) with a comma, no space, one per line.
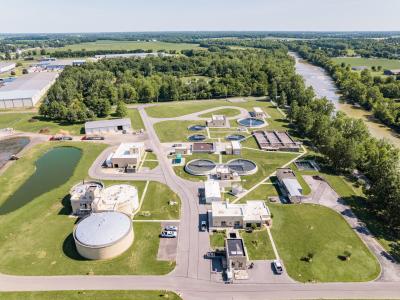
(93,138)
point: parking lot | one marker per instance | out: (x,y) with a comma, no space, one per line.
(168,246)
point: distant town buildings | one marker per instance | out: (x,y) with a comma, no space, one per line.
(392,72)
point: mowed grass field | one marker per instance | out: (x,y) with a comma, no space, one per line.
(369,62)
(127,45)
(37,238)
(258,244)
(31,122)
(301,229)
(90,295)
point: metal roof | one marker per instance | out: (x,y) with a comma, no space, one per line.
(102,229)
(8,95)
(108,123)
(212,189)
(293,186)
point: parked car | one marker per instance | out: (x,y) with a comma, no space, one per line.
(149,150)
(203,225)
(168,234)
(278,266)
(93,138)
(171,228)
(61,138)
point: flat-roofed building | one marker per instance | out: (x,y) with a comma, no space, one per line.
(234,148)
(203,148)
(288,181)
(242,215)
(217,121)
(128,154)
(392,72)
(7,66)
(108,126)
(236,254)
(182,149)
(258,113)
(212,191)
(276,141)
(26,90)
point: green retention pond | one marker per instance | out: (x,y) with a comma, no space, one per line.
(52,169)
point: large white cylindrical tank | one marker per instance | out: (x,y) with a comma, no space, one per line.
(103,235)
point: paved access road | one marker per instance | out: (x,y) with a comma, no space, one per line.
(191,277)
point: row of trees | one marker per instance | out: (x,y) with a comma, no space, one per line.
(373,93)
(82,93)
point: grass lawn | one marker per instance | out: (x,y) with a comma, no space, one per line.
(90,295)
(261,193)
(136,119)
(150,164)
(176,131)
(258,244)
(301,229)
(228,112)
(250,143)
(127,45)
(37,238)
(217,239)
(156,202)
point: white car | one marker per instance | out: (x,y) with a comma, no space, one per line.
(171,228)
(278,266)
(168,234)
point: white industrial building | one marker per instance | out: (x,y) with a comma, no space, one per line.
(224,214)
(26,90)
(108,126)
(7,66)
(91,197)
(212,191)
(290,185)
(128,155)
(234,148)
(103,235)
(217,121)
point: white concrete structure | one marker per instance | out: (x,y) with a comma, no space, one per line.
(122,198)
(7,66)
(128,154)
(217,121)
(212,191)
(83,194)
(103,235)
(108,126)
(234,148)
(26,90)
(224,214)
(258,113)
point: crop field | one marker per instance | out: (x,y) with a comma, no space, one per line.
(369,62)
(127,45)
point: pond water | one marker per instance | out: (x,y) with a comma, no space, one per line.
(53,169)
(10,147)
(324,86)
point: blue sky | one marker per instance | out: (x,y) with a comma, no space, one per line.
(183,15)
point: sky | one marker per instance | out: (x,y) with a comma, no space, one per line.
(45,16)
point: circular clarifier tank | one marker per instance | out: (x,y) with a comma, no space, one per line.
(197,138)
(235,137)
(197,127)
(200,167)
(251,122)
(242,166)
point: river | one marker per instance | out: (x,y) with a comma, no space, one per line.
(324,86)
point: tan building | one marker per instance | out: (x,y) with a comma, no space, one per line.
(103,235)
(234,148)
(82,196)
(225,214)
(128,154)
(217,121)
(258,113)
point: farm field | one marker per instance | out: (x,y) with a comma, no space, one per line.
(299,230)
(369,62)
(127,45)
(44,227)
(90,295)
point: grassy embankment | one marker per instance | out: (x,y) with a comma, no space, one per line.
(37,238)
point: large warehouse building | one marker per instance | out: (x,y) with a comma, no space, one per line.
(26,90)
(103,235)
(6,66)
(108,126)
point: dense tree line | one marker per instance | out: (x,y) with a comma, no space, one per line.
(373,93)
(82,93)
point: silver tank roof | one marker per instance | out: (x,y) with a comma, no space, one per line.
(102,229)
